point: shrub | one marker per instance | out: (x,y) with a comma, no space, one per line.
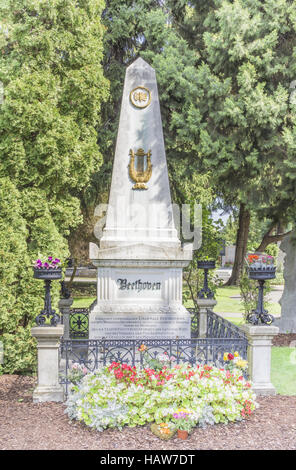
(53,89)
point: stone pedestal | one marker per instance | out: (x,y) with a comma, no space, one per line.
(48,342)
(259,357)
(64,308)
(139,299)
(203,305)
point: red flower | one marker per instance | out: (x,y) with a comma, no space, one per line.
(230,357)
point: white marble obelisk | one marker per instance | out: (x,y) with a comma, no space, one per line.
(140,257)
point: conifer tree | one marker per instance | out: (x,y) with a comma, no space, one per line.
(53,82)
(241,123)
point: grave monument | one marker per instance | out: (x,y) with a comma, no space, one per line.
(287,322)
(139,258)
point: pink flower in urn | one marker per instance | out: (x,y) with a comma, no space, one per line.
(49,263)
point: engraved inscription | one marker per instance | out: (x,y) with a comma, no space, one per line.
(138,285)
(140,326)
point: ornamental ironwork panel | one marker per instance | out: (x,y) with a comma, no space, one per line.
(79,322)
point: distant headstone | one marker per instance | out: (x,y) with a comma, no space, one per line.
(287,322)
(139,257)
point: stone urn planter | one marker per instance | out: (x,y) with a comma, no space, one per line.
(207,264)
(49,274)
(262,274)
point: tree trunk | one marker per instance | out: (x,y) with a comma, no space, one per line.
(268,238)
(241,246)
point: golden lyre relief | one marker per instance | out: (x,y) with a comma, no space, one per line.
(140,97)
(138,171)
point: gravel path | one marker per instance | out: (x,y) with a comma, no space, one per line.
(25,425)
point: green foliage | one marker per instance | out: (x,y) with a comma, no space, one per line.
(240,122)
(53,89)
(224,72)
(272,250)
(210,248)
(257,229)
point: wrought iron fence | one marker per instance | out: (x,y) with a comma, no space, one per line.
(219,327)
(194,322)
(221,336)
(93,354)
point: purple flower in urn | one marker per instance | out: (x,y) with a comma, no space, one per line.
(50,263)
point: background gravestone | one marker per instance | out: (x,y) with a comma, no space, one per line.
(287,322)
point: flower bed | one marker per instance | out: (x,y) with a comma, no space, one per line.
(121,395)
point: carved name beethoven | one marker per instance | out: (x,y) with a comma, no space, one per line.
(138,285)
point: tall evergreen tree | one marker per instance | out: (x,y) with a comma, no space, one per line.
(50,67)
(241,123)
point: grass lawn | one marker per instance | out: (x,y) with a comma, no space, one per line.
(283,370)
(228,301)
(82,302)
